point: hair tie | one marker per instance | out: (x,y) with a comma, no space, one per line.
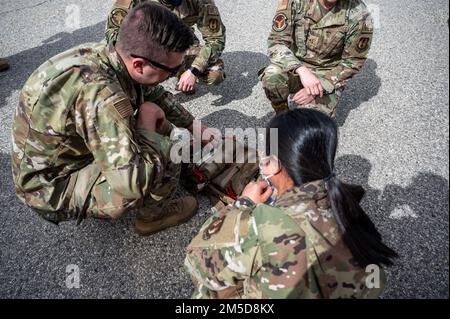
(330,177)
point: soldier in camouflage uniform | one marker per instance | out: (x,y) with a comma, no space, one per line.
(295,248)
(82,142)
(202,63)
(315,47)
(4,65)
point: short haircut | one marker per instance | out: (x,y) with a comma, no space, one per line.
(151,30)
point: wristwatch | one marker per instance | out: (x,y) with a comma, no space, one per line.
(244,202)
(195,71)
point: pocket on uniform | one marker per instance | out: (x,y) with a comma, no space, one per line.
(334,42)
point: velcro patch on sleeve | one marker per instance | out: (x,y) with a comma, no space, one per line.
(283,5)
(124,3)
(124,108)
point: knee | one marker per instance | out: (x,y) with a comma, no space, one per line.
(273,76)
(215,77)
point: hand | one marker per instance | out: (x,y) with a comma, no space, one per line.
(302,97)
(151,117)
(208,134)
(310,82)
(258,192)
(187,81)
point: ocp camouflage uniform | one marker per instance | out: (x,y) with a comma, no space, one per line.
(75,151)
(291,250)
(334,45)
(202,13)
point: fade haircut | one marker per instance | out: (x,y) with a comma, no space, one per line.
(151,30)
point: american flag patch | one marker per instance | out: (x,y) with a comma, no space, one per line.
(124,108)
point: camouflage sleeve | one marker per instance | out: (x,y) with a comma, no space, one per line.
(129,160)
(281,38)
(357,44)
(175,112)
(213,32)
(115,17)
(224,254)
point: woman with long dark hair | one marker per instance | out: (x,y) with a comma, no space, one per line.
(314,241)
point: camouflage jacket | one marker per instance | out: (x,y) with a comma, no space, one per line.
(334,45)
(202,13)
(292,250)
(76,109)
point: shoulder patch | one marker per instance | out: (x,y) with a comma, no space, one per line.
(124,3)
(117,16)
(280,22)
(283,5)
(214,228)
(124,108)
(214,25)
(363,44)
(212,10)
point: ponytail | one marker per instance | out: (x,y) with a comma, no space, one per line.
(307,144)
(359,233)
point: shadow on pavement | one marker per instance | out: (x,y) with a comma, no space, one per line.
(410,218)
(25,62)
(241,68)
(360,89)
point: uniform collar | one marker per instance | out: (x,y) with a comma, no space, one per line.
(126,82)
(310,202)
(315,190)
(336,16)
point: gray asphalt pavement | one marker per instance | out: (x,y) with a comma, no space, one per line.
(393,118)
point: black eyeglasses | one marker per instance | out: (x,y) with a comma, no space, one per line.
(171,71)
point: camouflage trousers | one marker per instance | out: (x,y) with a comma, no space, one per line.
(278,85)
(214,73)
(92,196)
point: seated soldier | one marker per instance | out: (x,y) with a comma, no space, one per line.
(315,241)
(87,140)
(202,63)
(315,48)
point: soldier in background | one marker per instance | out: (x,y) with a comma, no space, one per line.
(315,47)
(314,242)
(87,139)
(4,65)
(202,63)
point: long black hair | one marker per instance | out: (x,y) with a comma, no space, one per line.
(307,143)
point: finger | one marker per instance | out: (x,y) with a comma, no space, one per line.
(321,89)
(263,185)
(266,195)
(316,91)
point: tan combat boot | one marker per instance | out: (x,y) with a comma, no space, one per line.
(4,65)
(177,212)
